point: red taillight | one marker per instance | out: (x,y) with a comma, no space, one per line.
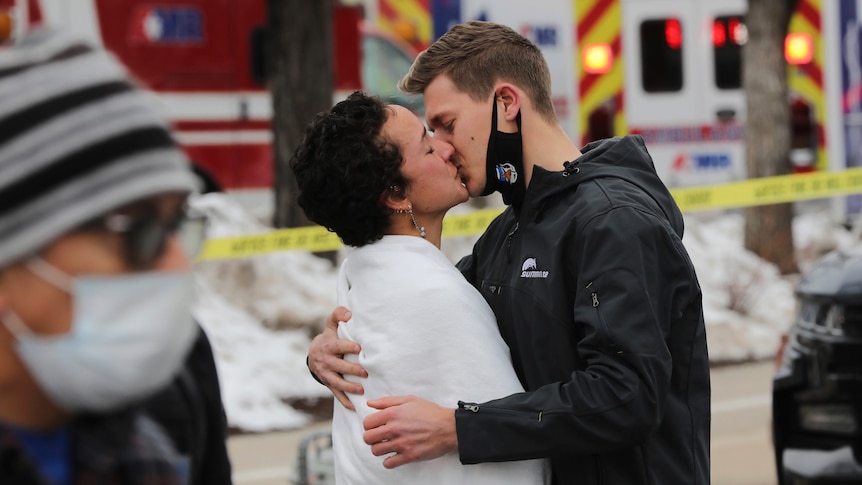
(728,30)
(673,33)
(719,35)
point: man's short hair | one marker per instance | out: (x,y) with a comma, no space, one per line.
(476,55)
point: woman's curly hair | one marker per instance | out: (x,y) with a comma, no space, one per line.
(343,167)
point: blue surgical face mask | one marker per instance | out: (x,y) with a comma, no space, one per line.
(129,336)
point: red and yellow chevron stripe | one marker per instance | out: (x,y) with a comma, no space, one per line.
(409,20)
(806,80)
(600,21)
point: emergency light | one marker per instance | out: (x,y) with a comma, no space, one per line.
(737,31)
(730,31)
(597,58)
(673,33)
(798,48)
(719,35)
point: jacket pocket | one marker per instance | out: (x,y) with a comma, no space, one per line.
(600,319)
(491,288)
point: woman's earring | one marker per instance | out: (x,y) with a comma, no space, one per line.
(409,210)
(420,228)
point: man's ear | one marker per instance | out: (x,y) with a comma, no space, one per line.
(510,99)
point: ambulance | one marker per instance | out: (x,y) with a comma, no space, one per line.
(204,60)
(671,70)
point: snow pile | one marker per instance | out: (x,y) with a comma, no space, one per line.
(283,290)
(258,368)
(747,304)
(261,312)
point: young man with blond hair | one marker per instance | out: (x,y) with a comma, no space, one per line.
(587,275)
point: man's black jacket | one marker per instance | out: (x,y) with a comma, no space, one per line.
(600,305)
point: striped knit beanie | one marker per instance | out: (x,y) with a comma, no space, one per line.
(77,139)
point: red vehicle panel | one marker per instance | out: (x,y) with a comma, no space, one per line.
(203,58)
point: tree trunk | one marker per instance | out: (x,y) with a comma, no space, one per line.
(299,60)
(768,229)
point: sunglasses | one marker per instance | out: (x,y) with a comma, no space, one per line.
(145,237)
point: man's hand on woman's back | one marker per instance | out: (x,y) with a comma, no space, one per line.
(326,359)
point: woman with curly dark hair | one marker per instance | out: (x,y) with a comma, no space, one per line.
(373,174)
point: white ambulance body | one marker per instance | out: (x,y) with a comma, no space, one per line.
(548,24)
(691,125)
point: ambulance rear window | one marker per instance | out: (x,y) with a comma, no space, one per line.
(661,55)
(728,36)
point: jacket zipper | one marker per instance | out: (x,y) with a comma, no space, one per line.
(475,408)
(509,240)
(595,297)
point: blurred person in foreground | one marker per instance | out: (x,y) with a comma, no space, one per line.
(97,339)
(370,172)
(586,273)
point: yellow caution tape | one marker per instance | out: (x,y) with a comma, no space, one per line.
(312,238)
(747,193)
(769,190)
(469,224)
(318,239)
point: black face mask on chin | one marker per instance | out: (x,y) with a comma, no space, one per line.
(504,163)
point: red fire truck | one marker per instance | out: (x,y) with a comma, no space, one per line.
(204,60)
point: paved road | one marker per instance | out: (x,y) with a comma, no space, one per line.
(741,447)
(741,409)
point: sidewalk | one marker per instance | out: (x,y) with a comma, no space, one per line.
(253,455)
(741,447)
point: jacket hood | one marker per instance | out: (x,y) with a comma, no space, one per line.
(624,158)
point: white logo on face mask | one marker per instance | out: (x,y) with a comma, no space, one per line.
(129,336)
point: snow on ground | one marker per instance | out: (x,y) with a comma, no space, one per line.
(260,313)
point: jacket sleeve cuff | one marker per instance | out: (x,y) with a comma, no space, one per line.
(312,373)
(466,445)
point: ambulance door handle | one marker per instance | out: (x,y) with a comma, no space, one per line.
(726,114)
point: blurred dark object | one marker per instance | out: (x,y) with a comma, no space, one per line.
(191,412)
(817,389)
(315,463)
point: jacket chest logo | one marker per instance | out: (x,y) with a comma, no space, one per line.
(530,269)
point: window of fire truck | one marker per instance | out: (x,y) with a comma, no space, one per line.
(728,36)
(661,55)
